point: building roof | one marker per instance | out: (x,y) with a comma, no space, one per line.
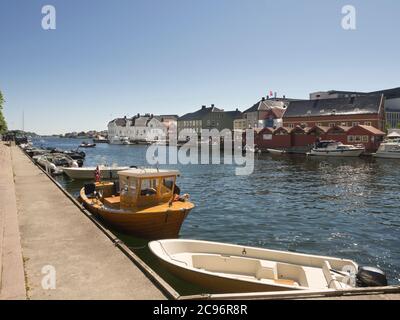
(199,114)
(120,122)
(389,93)
(324,129)
(266,104)
(163,117)
(369,104)
(371,129)
(236,114)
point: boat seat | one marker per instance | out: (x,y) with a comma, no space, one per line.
(267,270)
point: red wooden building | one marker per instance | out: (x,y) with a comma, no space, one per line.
(287,138)
(347,112)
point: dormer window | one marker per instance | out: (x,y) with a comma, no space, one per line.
(309,112)
(321,111)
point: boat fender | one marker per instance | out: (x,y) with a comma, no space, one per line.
(371,277)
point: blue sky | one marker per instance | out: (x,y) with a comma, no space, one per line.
(114,58)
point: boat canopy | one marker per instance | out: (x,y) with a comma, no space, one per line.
(393,134)
(148,173)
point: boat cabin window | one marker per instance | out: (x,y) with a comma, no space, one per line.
(167,186)
(128,186)
(149,187)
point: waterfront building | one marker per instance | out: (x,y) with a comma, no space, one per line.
(392,101)
(139,128)
(265,113)
(302,138)
(208,118)
(352,111)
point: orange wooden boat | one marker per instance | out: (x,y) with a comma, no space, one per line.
(144,203)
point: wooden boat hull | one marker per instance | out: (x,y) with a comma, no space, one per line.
(160,222)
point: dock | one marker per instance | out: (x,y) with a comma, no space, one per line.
(49,249)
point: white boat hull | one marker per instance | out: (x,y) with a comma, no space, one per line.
(89,172)
(226,268)
(275,151)
(387,155)
(337,153)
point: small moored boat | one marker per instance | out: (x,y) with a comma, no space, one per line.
(336,149)
(390,148)
(276,151)
(85,144)
(89,172)
(144,203)
(228,268)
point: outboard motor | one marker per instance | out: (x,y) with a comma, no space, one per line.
(371,277)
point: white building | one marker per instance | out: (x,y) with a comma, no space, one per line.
(144,128)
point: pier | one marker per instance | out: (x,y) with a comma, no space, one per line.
(43,233)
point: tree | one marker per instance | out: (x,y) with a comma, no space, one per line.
(3,124)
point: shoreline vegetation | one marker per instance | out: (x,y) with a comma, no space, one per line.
(3,123)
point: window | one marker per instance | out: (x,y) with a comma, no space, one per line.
(355,124)
(149,187)
(365,139)
(319,124)
(167,186)
(291,125)
(357,139)
(368,123)
(267,137)
(332,124)
(350,139)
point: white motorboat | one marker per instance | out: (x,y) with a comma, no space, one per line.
(336,149)
(276,151)
(119,140)
(389,149)
(228,268)
(55,162)
(88,173)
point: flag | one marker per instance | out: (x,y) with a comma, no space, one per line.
(270,93)
(97,174)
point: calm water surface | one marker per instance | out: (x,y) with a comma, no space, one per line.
(347,208)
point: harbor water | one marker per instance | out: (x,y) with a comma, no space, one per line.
(341,207)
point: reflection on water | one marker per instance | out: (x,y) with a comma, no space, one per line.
(344,207)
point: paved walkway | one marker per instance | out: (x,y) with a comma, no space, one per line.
(57,236)
(12,282)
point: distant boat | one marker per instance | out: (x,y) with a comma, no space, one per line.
(88,172)
(100,139)
(85,144)
(119,140)
(229,268)
(389,149)
(277,152)
(335,149)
